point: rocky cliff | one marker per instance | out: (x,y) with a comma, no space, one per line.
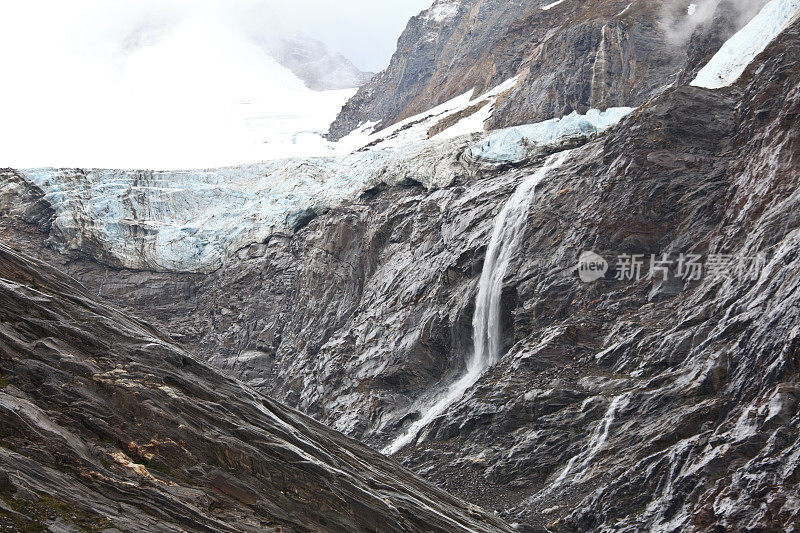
(572,55)
(624,402)
(107,426)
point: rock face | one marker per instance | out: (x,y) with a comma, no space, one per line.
(617,405)
(312,61)
(108,426)
(573,56)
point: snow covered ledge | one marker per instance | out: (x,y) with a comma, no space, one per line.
(513,145)
(733,58)
(191,221)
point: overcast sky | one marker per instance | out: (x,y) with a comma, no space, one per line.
(174,83)
(365,31)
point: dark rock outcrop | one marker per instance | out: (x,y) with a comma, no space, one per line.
(574,56)
(107,426)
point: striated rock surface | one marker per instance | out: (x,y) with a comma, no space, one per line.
(571,56)
(617,405)
(107,426)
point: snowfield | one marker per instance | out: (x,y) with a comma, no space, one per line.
(169,92)
(727,65)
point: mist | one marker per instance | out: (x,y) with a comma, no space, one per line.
(681,18)
(365,31)
(156,84)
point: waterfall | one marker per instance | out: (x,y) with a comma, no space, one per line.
(596,441)
(599,73)
(487,342)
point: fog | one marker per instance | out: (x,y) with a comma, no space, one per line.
(365,31)
(680,18)
(172,83)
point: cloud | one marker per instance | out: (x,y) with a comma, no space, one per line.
(153,83)
(365,31)
(681,18)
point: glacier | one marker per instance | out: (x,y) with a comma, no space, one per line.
(512,145)
(192,220)
(730,62)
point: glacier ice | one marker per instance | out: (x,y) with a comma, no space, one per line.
(515,144)
(192,220)
(730,62)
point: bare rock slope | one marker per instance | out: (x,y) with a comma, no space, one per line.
(570,56)
(107,426)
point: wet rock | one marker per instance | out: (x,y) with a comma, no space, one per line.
(620,405)
(136,435)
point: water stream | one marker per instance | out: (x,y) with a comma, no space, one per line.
(487,343)
(600,73)
(596,442)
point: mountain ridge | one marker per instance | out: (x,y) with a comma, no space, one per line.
(573,56)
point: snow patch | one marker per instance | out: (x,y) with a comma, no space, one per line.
(725,68)
(442,10)
(476,122)
(548,7)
